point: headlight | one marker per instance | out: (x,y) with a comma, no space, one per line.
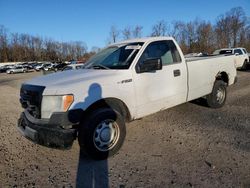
(52,104)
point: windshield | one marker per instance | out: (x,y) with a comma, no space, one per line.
(114,57)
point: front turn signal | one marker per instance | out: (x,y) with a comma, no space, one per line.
(67,101)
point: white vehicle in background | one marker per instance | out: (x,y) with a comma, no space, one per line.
(242,57)
(17,69)
(48,66)
(39,66)
(73,67)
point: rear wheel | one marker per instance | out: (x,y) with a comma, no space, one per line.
(102,133)
(218,96)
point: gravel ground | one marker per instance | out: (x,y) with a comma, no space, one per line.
(186,146)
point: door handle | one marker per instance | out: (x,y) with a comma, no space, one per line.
(177,72)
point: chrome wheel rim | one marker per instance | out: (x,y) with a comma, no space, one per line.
(106,135)
(220,95)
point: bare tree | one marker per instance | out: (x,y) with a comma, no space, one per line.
(195,36)
(179,33)
(132,32)
(237,19)
(80,49)
(37,43)
(205,37)
(244,37)
(16,48)
(230,27)
(127,32)
(114,34)
(51,52)
(137,32)
(159,29)
(192,35)
(186,35)
(3,44)
(222,29)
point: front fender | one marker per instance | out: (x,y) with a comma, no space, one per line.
(96,92)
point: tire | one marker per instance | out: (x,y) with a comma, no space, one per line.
(218,96)
(102,133)
(244,66)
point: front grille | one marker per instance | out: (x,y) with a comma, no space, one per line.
(31,98)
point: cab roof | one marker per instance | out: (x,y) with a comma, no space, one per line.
(147,39)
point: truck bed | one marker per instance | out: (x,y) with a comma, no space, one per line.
(203,71)
(196,58)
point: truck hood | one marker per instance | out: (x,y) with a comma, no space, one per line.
(62,79)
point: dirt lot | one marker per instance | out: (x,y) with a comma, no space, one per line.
(186,146)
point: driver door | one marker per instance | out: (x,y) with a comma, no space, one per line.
(164,88)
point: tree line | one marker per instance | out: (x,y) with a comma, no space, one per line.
(24,47)
(231,29)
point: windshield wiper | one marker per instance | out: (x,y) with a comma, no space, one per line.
(99,66)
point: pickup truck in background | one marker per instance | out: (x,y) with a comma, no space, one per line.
(121,83)
(242,57)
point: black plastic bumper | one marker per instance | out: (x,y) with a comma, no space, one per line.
(48,132)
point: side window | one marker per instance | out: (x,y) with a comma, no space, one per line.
(166,50)
(238,51)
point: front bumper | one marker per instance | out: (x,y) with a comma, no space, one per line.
(50,132)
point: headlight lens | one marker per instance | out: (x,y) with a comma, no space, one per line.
(52,104)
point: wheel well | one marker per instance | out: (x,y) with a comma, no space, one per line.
(114,103)
(222,76)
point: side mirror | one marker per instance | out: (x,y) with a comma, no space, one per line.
(237,54)
(149,65)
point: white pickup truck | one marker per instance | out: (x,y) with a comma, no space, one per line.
(121,83)
(241,59)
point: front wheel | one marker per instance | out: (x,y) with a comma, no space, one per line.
(102,133)
(218,96)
